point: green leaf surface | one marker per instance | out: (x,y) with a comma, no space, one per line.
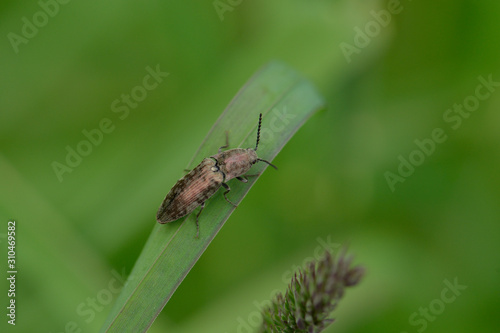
(286,101)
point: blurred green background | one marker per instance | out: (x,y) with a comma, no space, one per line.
(77,237)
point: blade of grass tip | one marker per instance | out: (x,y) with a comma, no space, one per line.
(250,81)
(286,100)
(267,86)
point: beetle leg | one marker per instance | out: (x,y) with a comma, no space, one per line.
(197,224)
(226,192)
(253,175)
(242,179)
(227,143)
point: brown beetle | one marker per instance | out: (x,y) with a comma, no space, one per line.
(203,181)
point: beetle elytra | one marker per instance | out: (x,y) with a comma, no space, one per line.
(204,180)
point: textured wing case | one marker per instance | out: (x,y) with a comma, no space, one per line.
(190,192)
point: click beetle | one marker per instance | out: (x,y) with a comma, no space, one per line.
(204,180)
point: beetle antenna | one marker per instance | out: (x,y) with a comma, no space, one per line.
(270,164)
(258,132)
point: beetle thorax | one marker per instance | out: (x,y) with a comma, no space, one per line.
(236,162)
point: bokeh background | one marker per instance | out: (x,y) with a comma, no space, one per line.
(77,237)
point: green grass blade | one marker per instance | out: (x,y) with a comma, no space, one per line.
(286,100)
